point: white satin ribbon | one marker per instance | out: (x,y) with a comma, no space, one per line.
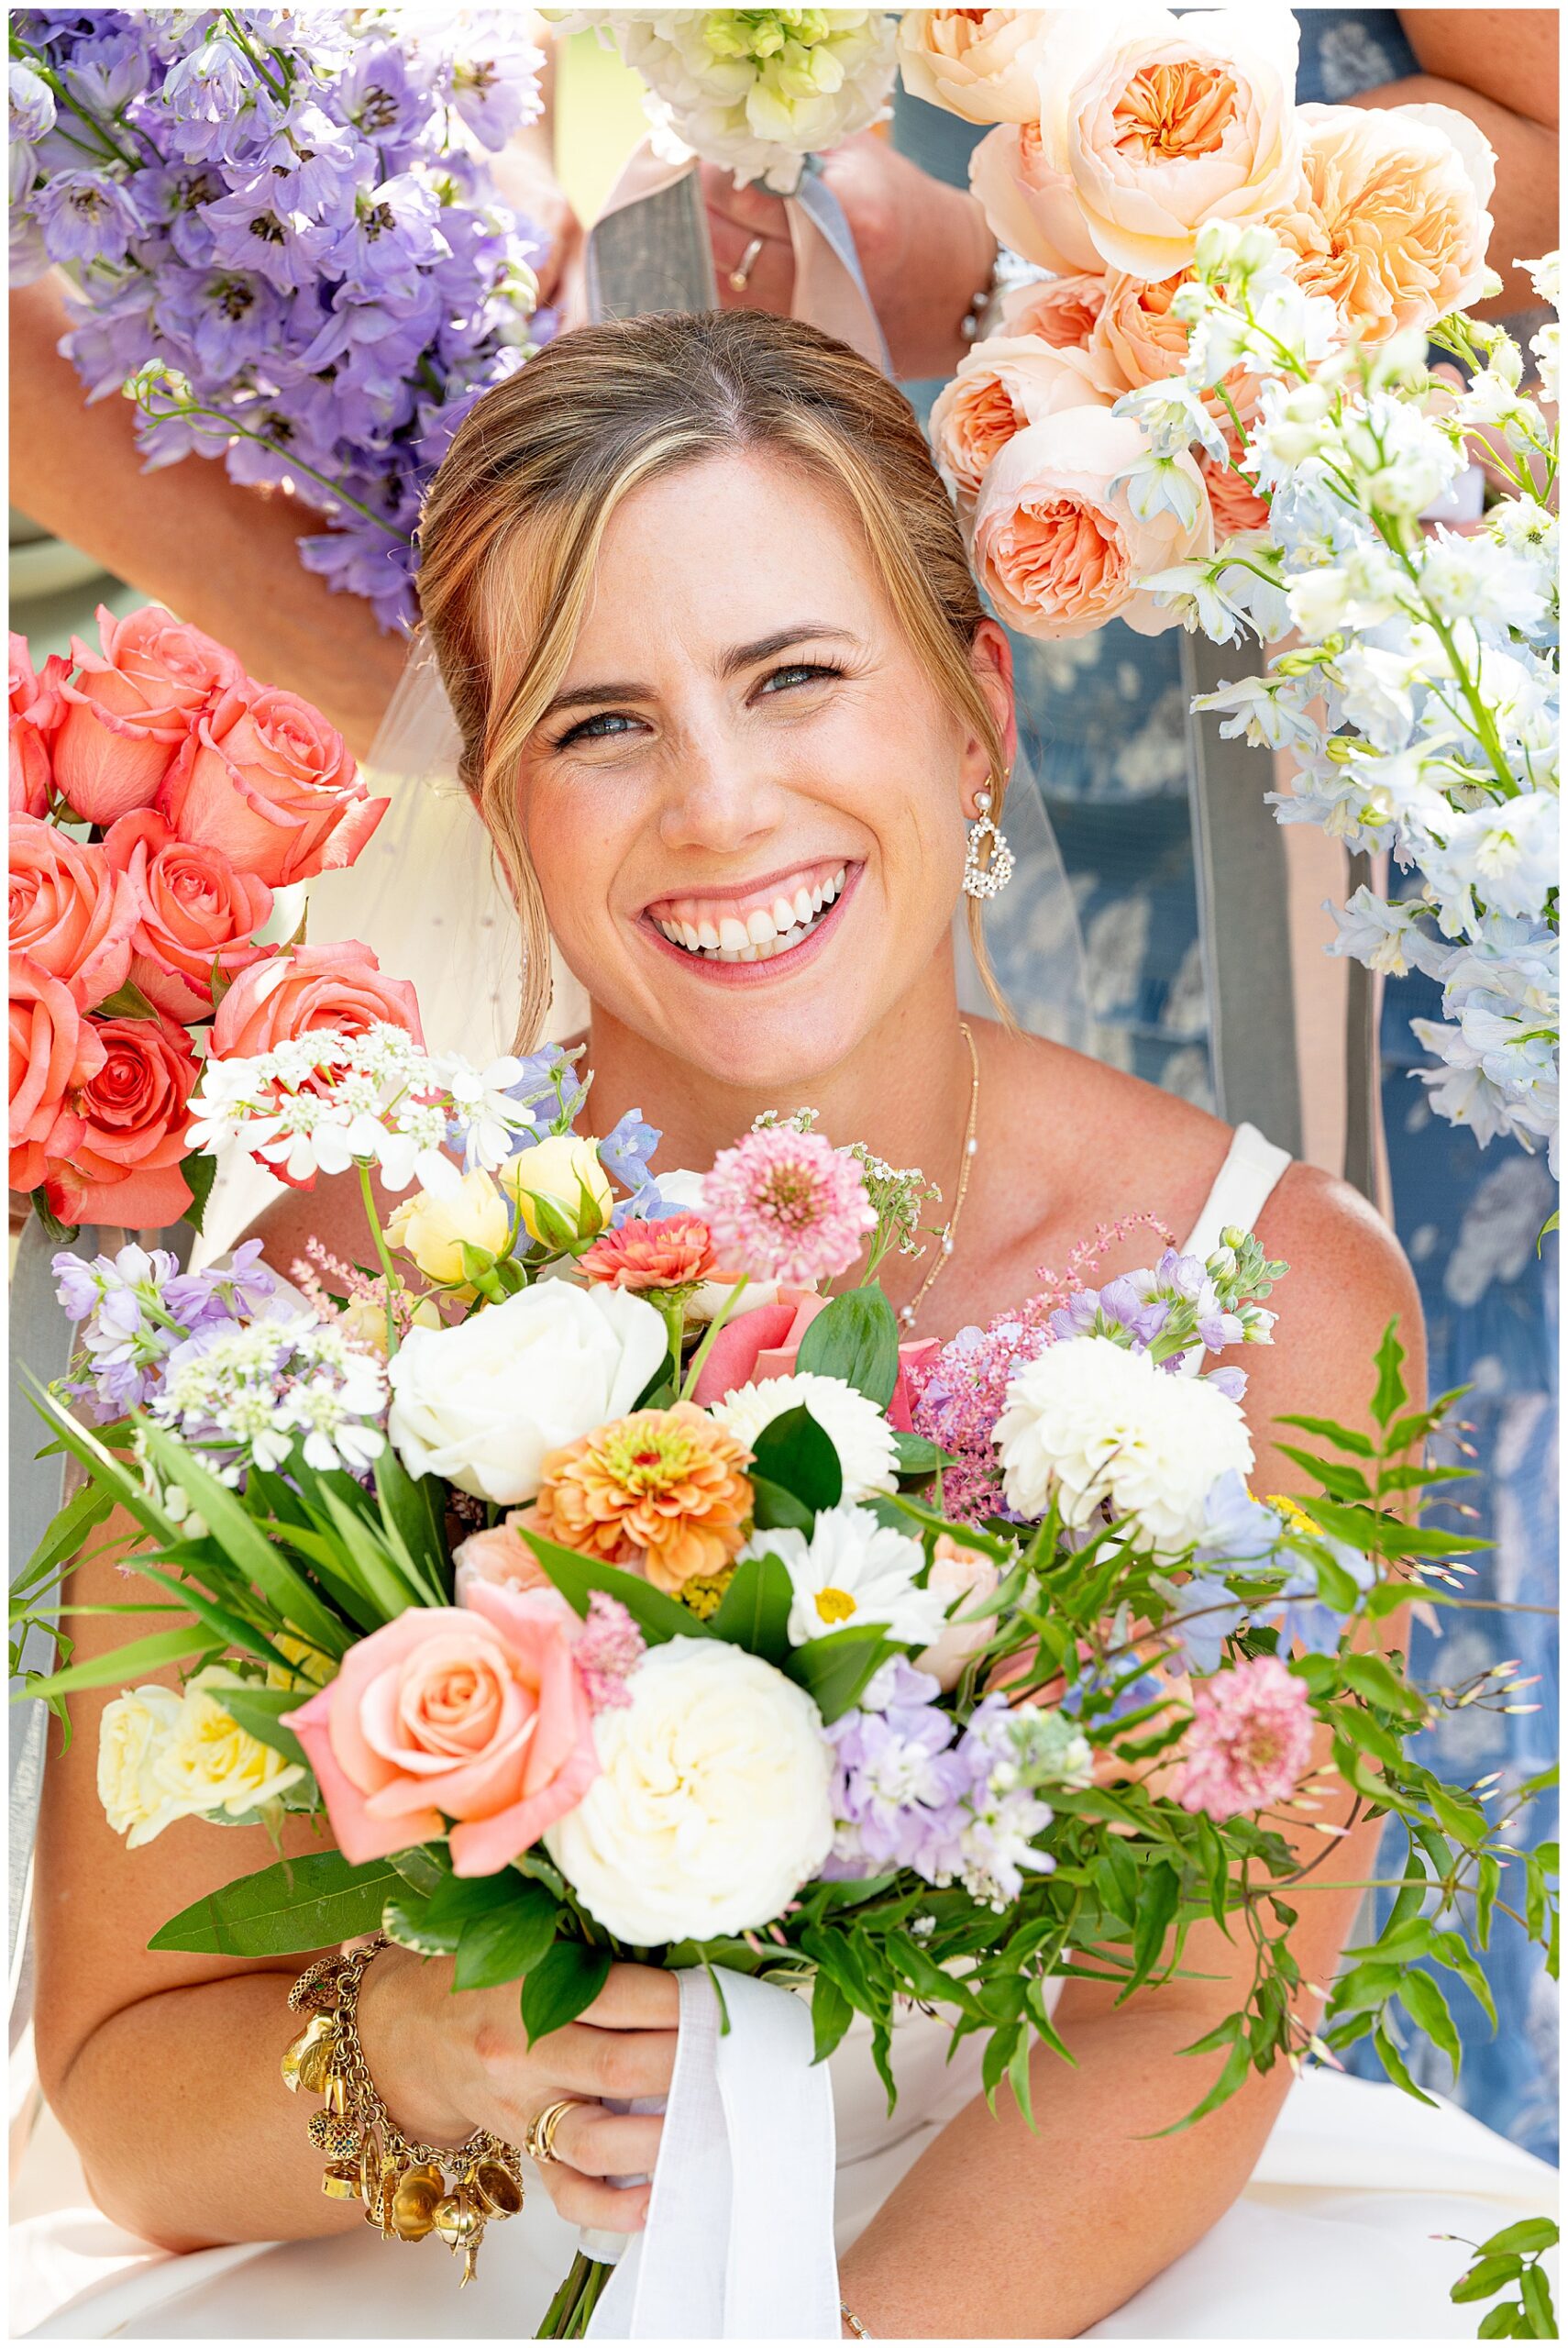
(738,2243)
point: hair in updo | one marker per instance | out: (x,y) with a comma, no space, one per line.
(513,521)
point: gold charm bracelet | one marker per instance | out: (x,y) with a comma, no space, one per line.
(404,2185)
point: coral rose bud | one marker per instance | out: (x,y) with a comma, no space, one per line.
(195,914)
(71,910)
(315,986)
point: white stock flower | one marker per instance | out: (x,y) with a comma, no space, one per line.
(1374,932)
(853,1570)
(482,1402)
(1268,712)
(1508,855)
(858,1430)
(712,1805)
(1098,1427)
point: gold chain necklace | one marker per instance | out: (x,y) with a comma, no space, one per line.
(965,1164)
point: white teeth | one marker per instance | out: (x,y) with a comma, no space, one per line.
(761,927)
(765,932)
(803,904)
(707,935)
(783,914)
(732,935)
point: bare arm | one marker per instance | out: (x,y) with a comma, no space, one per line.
(1500,67)
(224,557)
(998,2233)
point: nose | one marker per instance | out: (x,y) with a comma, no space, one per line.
(720,798)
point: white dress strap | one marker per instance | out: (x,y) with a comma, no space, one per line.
(1252,1165)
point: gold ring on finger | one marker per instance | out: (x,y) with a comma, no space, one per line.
(740,276)
(539,2143)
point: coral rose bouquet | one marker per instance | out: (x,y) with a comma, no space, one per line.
(610,1582)
(159,799)
(1211,404)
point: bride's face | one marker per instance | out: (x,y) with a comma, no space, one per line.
(745,804)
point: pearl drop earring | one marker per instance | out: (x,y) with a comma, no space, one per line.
(982,877)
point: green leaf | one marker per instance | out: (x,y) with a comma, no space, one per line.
(1486,2278)
(200,1172)
(566,1980)
(576,1577)
(1537,2296)
(1553,1223)
(1522,2239)
(856,1339)
(795,1451)
(1159,1897)
(1428,2009)
(298,1904)
(1237,2065)
(1392,2061)
(916,1456)
(1330,1431)
(832,2014)
(509,1941)
(1374,1678)
(126,1003)
(67,1531)
(103,1468)
(257,1711)
(246,1546)
(412,1506)
(1498,2323)
(754,1609)
(832,1670)
(231,1629)
(126,1663)
(1391,1394)
(1488,1882)
(773,1507)
(62,1233)
(1341,1482)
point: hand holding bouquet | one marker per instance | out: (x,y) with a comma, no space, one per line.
(583,1659)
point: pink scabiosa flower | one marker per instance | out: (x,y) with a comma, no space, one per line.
(1251,1739)
(607,1651)
(787,1206)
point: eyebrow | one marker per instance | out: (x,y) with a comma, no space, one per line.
(738,658)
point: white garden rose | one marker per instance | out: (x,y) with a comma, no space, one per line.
(854,1570)
(712,1806)
(867,1455)
(210,1763)
(1091,1424)
(132,1734)
(481,1404)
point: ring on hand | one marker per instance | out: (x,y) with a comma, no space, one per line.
(741,273)
(539,2143)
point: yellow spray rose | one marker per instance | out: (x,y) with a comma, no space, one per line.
(434,1225)
(135,1730)
(566,1170)
(210,1763)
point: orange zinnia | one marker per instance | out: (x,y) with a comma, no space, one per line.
(675,1252)
(660,1491)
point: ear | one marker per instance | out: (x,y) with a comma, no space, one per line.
(990,657)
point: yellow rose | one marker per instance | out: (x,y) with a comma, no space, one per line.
(133,1733)
(565,1170)
(210,1762)
(434,1225)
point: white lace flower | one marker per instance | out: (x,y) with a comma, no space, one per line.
(853,1569)
(857,1430)
(1096,1427)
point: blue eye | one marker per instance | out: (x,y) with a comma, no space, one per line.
(600,728)
(800,672)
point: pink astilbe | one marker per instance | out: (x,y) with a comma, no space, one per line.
(958,1396)
(607,1651)
(325,1278)
(1251,1739)
(787,1206)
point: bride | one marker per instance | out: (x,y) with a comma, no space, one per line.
(729,703)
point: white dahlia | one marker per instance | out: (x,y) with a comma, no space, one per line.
(867,1456)
(1093,1425)
(854,1570)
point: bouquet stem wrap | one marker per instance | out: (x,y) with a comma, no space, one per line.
(739,2242)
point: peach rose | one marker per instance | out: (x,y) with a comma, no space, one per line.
(1061,310)
(1001,386)
(266,779)
(1029,204)
(501,1557)
(313,986)
(1234,504)
(71,910)
(124,1165)
(53,1051)
(1137,339)
(978,62)
(1158,123)
(964,1577)
(131,706)
(38,709)
(195,914)
(1389,216)
(475,1714)
(1056,546)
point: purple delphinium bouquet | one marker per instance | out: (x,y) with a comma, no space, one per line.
(285,243)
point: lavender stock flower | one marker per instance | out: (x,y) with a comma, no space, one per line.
(139,1309)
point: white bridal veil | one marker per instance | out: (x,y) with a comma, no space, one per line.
(426,897)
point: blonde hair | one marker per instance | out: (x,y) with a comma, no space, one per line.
(515,517)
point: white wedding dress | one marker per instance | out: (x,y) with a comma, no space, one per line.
(1339,2234)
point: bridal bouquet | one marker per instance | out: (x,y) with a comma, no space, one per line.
(1215,406)
(159,798)
(586,1566)
(285,241)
